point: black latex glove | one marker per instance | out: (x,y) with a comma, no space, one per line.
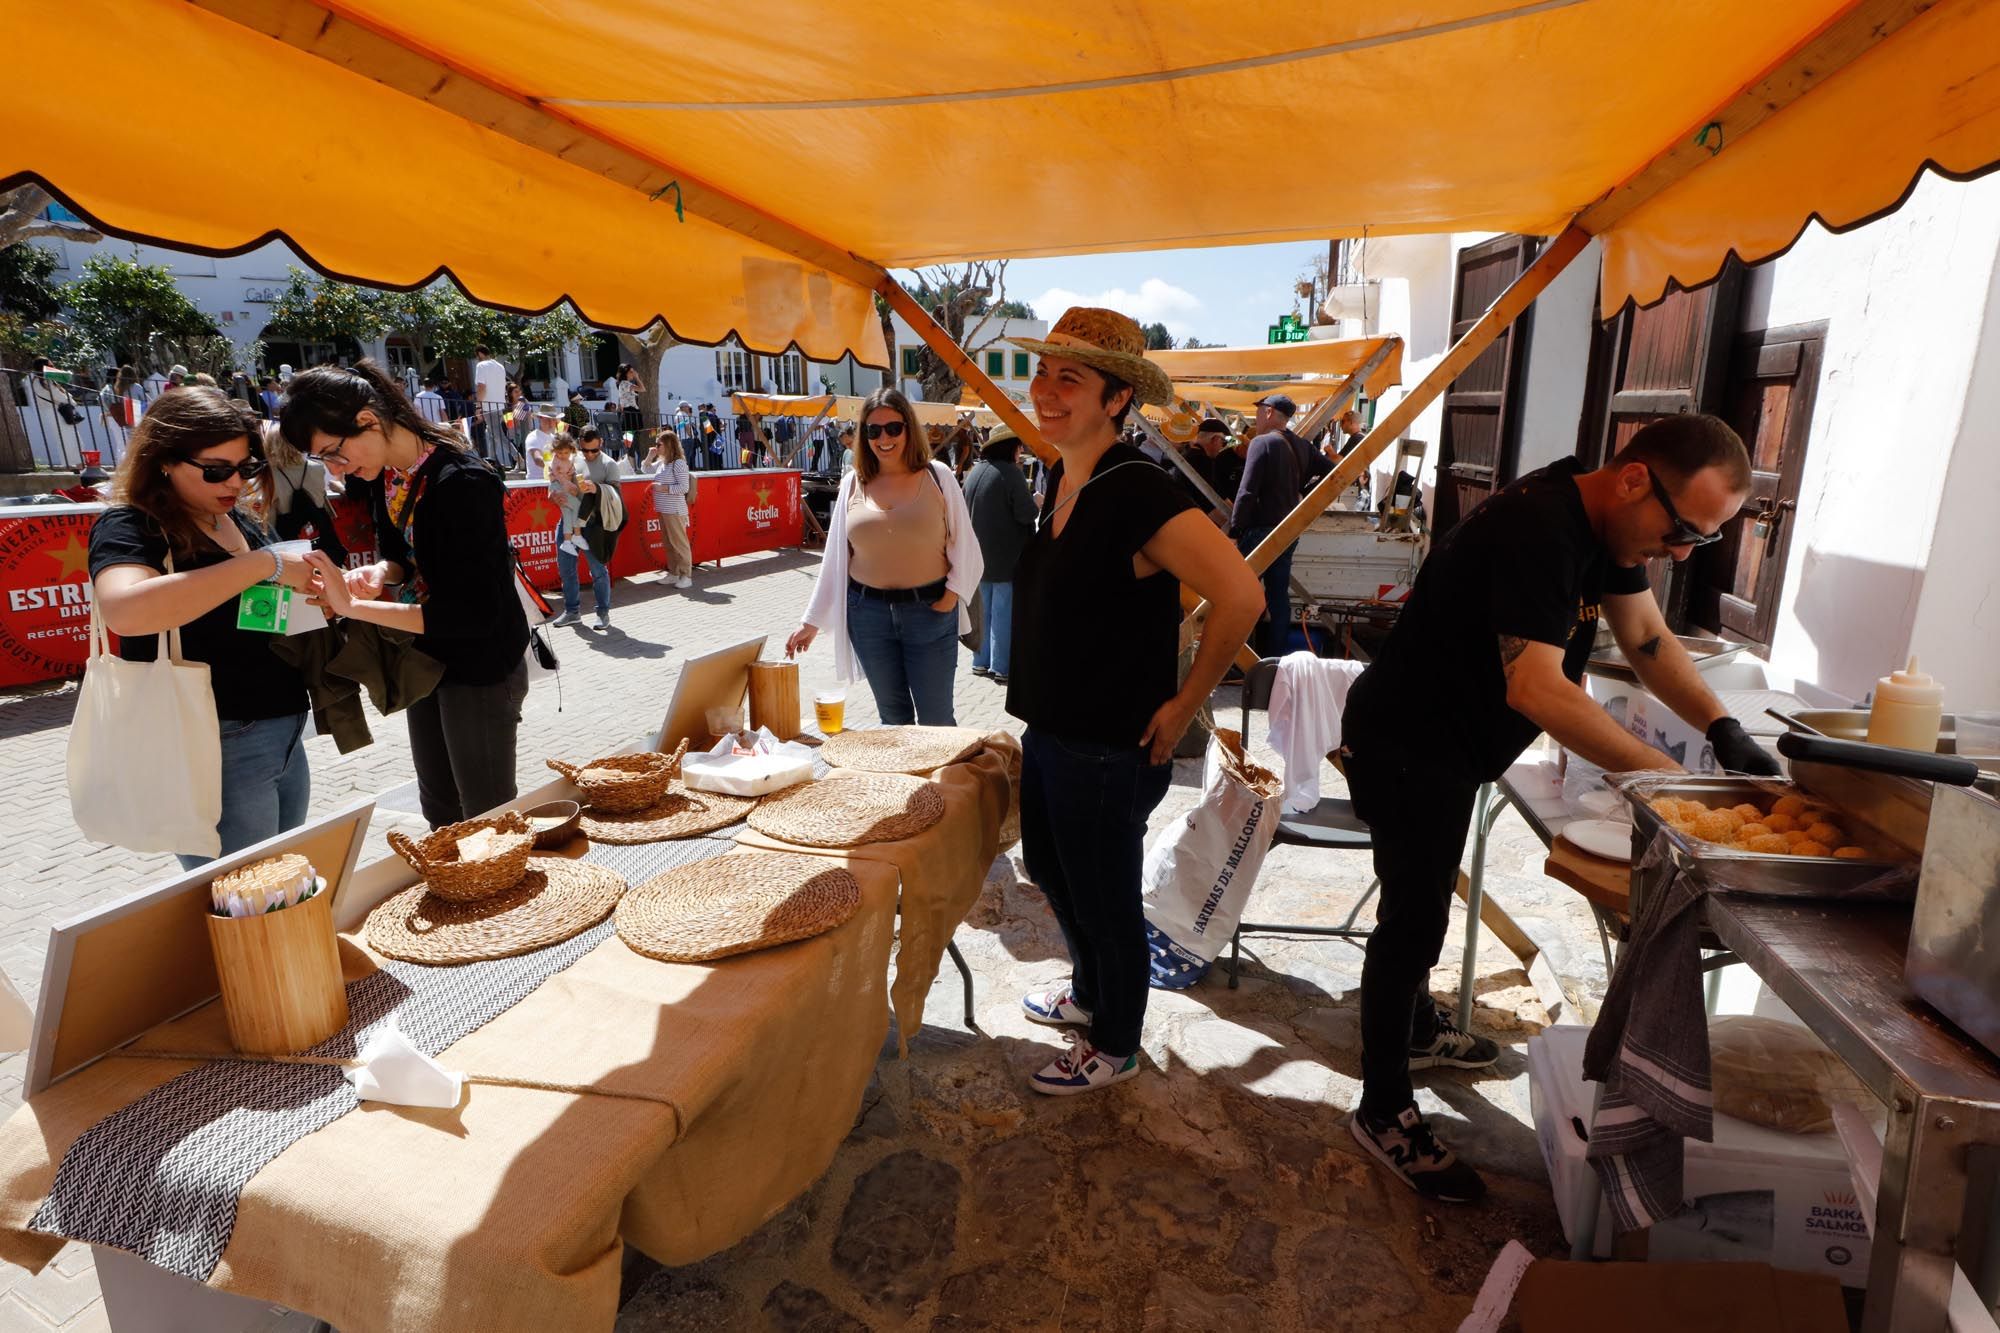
(1737,753)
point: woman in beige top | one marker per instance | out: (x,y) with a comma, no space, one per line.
(901,549)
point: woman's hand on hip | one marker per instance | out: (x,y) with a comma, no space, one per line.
(948,602)
(801,639)
(1169,724)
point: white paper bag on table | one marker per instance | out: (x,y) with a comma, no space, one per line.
(1199,871)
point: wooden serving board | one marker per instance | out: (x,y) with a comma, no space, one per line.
(1606,884)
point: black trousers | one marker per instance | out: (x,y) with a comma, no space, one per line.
(1418,820)
(462,742)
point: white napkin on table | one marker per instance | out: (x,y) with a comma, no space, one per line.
(394,1071)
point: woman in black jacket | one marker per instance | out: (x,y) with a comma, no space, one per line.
(1003,515)
(441,530)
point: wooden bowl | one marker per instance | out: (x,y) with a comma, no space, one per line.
(554,823)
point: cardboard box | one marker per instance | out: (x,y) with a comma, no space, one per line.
(1675,1298)
(1755,1194)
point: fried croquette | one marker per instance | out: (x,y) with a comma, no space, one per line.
(1780,823)
(1751,830)
(1751,813)
(1828,834)
(1716,825)
(1788,805)
(1810,848)
(1769,843)
(1851,853)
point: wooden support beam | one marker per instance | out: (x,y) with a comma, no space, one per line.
(961,362)
(1327,410)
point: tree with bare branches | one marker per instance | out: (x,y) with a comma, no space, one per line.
(21,219)
(969,301)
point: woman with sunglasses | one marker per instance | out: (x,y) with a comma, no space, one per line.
(901,561)
(441,529)
(175,550)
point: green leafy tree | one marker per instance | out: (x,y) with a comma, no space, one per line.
(316,309)
(127,307)
(27,282)
(1157,337)
(1013,310)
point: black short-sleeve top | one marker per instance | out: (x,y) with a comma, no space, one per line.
(250,682)
(1095,649)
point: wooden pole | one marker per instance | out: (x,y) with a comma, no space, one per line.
(1329,409)
(961,362)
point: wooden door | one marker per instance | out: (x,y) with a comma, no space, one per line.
(1480,444)
(1659,361)
(1773,380)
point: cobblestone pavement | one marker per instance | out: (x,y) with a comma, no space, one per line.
(1221,1184)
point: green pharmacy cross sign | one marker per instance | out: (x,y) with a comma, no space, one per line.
(1286,330)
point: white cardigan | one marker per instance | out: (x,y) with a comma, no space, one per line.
(827,610)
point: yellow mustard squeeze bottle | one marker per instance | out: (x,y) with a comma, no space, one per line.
(1908,710)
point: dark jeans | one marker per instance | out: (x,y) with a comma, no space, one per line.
(909,654)
(1271,633)
(462,743)
(1418,820)
(572,590)
(1083,835)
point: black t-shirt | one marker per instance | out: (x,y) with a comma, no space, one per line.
(250,682)
(1526,565)
(473,622)
(1095,650)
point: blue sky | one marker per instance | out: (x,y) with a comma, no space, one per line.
(1224,295)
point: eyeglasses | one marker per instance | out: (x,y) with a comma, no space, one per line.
(892,429)
(217,473)
(588,451)
(1682,533)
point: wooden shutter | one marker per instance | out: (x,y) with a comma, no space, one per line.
(1480,444)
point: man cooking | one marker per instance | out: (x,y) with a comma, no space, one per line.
(1487,653)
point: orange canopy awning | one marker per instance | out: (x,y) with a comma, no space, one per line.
(751,172)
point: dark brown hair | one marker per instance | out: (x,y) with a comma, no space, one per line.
(1677,447)
(916,444)
(327,400)
(176,427)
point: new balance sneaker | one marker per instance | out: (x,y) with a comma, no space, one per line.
(1056,1007)
(567,618)
(1453,1047)
(1404,1143)
(1082,1068)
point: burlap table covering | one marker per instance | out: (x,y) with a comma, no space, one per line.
(507,1212)
(943,868)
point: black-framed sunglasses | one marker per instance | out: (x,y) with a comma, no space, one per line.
(1682,533)
(217,473)
(592,453)
(892,429)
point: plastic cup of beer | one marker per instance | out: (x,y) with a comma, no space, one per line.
(829,710)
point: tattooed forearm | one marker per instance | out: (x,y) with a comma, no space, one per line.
(1511,649)
(1651,647)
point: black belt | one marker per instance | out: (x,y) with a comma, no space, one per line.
(927,594)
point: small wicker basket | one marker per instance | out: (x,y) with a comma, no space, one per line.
(623,783)
(436,858)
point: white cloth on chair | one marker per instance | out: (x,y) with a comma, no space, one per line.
(1304,713)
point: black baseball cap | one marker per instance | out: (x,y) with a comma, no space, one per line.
(1278,402)
(1216,424)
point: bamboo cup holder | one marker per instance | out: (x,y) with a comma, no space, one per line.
(774,697)
(280,971)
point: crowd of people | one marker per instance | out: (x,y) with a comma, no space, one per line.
(1065,579)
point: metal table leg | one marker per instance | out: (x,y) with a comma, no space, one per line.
(964,976)
(1911,1262)
(1486,808)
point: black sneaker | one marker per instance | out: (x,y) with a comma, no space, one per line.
(1407,1147)
(1453,1047)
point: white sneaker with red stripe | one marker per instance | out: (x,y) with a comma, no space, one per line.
(1082,1068)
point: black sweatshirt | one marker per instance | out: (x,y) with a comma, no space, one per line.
(473,622)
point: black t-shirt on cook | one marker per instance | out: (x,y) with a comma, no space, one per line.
(250,682)
(1525,564)
(1095,650)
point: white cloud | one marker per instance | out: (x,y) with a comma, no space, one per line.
(1156,301)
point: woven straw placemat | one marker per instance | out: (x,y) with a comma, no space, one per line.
(849,810)
(733,904)
(679,814)
(899,749)
(554,900)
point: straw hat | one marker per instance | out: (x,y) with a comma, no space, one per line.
(554,900)
(849,810)
(1107,341)
(678,813)
(900,749)
(733,904)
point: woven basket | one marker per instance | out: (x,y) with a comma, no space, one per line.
(622,783)
(436,858)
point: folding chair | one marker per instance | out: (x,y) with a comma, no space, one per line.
(1332,824)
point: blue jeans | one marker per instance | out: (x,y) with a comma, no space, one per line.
(909,653)
(1084,807)
(1277,627)
(266,786)
(600,582)
(996,635)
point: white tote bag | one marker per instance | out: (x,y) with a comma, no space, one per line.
(1199,871)
(145,750)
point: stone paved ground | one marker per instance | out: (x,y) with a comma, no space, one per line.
(1219,1185)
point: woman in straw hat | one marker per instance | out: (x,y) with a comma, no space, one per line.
(1095,676)
(902,560)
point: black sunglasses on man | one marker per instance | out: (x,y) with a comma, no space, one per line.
(1682,533)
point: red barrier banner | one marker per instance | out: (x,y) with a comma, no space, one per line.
(45,576)
(736,513)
